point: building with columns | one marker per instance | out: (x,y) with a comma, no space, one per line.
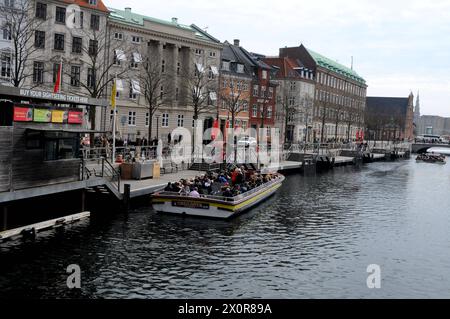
(173,51)
(340,96)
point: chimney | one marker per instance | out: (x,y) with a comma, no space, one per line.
(237,42)
(175,20)
(128,9)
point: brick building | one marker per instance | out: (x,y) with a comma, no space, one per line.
(340,95)
(390,118)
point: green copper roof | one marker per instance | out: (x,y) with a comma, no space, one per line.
(335,66)
(131,18)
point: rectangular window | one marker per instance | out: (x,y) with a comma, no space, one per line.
(136,39)
(60,15)
(255,111)
(41,10)
(39,39)
(75,75)
(93,47)
(95,22)
(81,20)
(180,120)
(59,42)
(147,119)
(118,36)
(38,72)
(6,66)
(60,146)
(255,90)
(240,68)
(77,44)
(91,78)
(132,118)
(264,75)
(7,33)
(165,120)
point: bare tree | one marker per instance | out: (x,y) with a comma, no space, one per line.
(233,101)
(100,57)
(199,84)
(151,81)
(339,111)
(324,107)
(20,25)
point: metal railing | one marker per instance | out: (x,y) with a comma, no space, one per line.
(223,198)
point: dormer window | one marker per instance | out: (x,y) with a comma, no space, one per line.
(226,65)
(240,68)
(93,2)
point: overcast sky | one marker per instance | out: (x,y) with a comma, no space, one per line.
(398,46)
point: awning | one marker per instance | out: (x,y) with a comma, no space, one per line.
(64,130)
(120,55)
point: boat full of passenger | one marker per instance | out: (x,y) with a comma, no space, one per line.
(432,158)
(217,195)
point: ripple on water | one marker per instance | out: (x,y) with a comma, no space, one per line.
(314,238)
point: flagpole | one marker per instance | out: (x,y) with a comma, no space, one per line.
(114,124)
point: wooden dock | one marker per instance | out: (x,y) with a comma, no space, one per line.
(34,229)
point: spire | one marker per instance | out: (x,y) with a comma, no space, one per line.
(417,109)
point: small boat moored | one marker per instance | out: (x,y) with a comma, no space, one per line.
(215,206)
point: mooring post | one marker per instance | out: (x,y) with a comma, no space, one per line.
(126,197)
(83,200)
(5,218)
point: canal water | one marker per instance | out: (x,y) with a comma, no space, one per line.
(314,239)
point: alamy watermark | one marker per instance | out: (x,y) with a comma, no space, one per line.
(374,279)
(74,279)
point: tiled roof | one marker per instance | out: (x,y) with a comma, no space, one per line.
(286,67)
(85,4)
(335,66)
(134,19)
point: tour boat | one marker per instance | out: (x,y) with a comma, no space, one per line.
(432,158)
(215,206)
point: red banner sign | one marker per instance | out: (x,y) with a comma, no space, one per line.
(75,117)
(23,114)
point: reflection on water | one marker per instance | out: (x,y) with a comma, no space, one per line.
(314,238)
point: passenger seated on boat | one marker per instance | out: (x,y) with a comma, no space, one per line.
(237,191)
(194,193)
(168,188)
(227,193)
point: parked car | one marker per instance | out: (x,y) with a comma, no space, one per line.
(247,141)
